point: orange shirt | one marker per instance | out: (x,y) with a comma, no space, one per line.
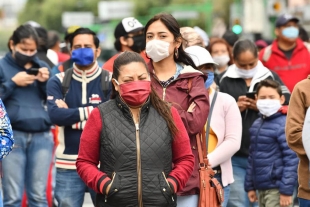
(212,141)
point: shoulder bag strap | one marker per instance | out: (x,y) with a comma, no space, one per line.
(206,140)
(66,82)
(203,136)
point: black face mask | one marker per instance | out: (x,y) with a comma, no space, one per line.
(138,43)
(22,59)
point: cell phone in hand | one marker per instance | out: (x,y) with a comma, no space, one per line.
(250,95)
(33,71)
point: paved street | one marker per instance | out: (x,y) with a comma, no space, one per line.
(87,201)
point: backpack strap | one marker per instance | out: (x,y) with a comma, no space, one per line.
(105,82)
(66,82)
(267,53)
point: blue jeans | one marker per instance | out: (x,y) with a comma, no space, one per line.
(238,197)
(303,202)
(70,189)
(27,168)
(226,189)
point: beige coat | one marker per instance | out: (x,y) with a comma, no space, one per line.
(299,103)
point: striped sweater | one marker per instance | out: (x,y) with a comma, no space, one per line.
(83,95)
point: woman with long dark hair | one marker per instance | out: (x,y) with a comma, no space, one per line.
(137,138)
(176,80)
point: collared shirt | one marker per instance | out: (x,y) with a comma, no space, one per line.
(174,77)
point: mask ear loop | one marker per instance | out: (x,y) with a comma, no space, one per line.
(116,81)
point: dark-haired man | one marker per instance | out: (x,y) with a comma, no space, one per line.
(288,56)
(129,36)
(69,108)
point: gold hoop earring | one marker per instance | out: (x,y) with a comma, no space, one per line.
(176,53)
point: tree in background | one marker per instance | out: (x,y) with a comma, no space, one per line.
(220,10)
(48,12)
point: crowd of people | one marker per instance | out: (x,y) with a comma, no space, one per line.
(125,131)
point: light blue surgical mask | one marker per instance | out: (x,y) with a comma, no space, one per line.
(290,32)
(210,79)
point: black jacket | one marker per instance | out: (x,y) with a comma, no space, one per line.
(235,86)
(142,160)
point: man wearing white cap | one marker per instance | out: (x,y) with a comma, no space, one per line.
(128,37)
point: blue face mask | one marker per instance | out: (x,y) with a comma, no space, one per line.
(290,32)
(210,80)
(83,56)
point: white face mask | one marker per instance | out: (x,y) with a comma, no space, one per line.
(157,50)
(268,107)
(222,60)
(246,74)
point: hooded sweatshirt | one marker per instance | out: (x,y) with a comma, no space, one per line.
(25,105)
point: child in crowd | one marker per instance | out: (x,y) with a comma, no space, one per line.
(272,165)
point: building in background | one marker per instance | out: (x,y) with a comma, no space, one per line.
(9,10)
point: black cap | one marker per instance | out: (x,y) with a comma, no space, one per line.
(285,18)
(127,25)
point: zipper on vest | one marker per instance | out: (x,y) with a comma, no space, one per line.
(139,170)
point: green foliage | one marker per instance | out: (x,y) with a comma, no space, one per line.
(142,11)
(48,13)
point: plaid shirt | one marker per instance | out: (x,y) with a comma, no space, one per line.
(165,84)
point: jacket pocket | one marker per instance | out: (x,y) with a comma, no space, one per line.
(166,190)
(115,187)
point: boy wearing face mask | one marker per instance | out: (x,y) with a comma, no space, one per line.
(70,110)
(272,165)
(288,56)
(128,37)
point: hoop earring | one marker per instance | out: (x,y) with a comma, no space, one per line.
(176,53)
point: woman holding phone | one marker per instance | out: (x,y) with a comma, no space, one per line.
(23,80)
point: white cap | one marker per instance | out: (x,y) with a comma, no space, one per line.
(131,24)
(200,55)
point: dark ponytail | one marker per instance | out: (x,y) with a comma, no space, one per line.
(160,106)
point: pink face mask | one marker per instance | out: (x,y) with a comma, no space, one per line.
(135,93)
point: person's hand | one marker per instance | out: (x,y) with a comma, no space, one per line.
(285,200)
(252,104)
(23,79)
(243,103)
(61,104)
(252,196)
(191,108)
(43,75)
(108,189)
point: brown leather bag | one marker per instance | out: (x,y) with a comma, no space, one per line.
(211,191)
